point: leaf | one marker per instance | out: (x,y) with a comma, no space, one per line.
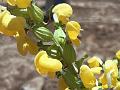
(60,35)
(69,54)
(53,51)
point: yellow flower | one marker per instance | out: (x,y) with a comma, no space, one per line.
(96,88)
(117,87)
(73,30)
(10,24)
(62,85)
(45,65)
(19,3)
(110,68)
(94,62)
(25,44)
(87,76)
(96,70)
(63,11)
(118,54)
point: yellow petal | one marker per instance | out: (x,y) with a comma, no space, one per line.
(51,75)
(22,46)
(73,29)
(63,19)
(23,3)
(96,70)
(90,81)
(117,86)
(52,65)
(96,88)
(33,48)
(63,9)
(11,2)
(41,55)
(111,66)
(118,55)
(76,42)
(62,85)
(94,61)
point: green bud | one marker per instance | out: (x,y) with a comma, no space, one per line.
(36,14)
(69,54)
(43,33)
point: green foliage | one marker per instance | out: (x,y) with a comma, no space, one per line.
(60,36)
(69,54)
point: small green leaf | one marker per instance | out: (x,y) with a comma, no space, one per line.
(53,51)
(60,35)
(43,33)
(69,54)
(20,12)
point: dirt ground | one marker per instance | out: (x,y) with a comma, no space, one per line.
(100,20)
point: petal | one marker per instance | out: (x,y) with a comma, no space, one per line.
(76,42)
(62,85)
(94,61)
(52,65)
(11,2)
(41,55)
(21,44)
(23,3)
(90,81)
(96,70)
(63,19)
(33,48)
(118,54)
(63,9)
(73,29)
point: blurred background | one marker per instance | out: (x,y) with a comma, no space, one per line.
(100,20)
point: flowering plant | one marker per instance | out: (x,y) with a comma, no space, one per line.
(55,54)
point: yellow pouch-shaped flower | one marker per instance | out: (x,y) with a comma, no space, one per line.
(94,62)
(96,70)
(118,54)
(10,25)
(111,66)
(19,3)
(87,76)
(45,65)
(117,87)
(25,44)
(63,11)
(73,29)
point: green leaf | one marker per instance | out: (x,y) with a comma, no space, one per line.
(53,51)
(79,62)
(60,35)
(43,33)
(69,54)
(20,12)
(70,79)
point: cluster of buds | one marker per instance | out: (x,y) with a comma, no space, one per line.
(54,49)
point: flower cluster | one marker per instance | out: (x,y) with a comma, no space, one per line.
(99,75)
(54,50)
